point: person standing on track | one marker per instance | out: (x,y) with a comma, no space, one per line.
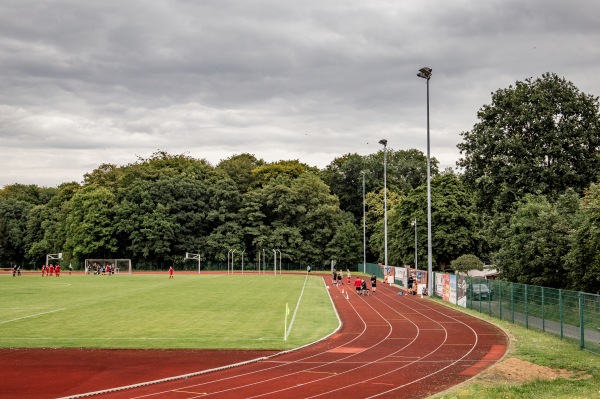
(373,283)
(357,285)
(348,275)
(171,272)
(43,270)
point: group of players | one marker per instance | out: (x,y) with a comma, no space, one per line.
(360,284)
(50,270)
(101,269)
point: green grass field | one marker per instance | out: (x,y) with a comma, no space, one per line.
(149,311)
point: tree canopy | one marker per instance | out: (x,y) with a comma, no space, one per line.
(539,136)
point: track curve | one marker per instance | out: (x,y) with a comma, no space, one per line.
(389,346)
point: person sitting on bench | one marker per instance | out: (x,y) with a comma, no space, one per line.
(363,288)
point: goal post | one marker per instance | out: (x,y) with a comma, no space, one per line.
(95,266)
(189,255)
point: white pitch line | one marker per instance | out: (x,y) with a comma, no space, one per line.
(297,306)
(33,315)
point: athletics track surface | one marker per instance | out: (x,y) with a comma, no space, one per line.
(389,346)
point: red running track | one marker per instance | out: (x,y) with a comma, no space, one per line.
(389,346)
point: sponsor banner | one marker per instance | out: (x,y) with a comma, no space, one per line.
(439,285)
(452,298)
(400,276)
(446,291)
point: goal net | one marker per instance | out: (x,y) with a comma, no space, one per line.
(101,266)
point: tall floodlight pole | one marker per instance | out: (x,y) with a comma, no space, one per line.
(425,73)
(364,226)
(414,223)
(385,240)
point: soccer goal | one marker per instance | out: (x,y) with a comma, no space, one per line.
(99,266)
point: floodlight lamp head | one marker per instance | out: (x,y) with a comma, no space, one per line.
(383,142)
(424,73)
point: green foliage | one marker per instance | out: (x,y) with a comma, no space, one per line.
(90,223)
(406,169)
(13,227)
(291,169)
(375,221)
(346,246)
(239,168)
(540,136)
(464,263)
(583,259)
(454,223)
(536,240)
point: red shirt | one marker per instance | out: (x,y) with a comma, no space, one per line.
(357,283)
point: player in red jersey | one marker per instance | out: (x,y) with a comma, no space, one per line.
(43,270)
(57,271)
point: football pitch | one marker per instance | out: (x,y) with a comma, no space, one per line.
(151,311)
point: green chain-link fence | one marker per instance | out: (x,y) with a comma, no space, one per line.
(568,314)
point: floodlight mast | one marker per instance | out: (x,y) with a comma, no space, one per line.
(189,255)
(425,73)
(384,142)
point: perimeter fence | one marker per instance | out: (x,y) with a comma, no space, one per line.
(567,314)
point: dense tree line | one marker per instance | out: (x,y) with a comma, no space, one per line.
(525,199)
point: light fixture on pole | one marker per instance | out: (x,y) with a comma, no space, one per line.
(385,240)
(425,73)
(414,223)
(364,225)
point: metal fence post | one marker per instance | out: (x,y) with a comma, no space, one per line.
(526,309)
(560,311)
(512,302)
(581,323)
(500,301)
(543,312)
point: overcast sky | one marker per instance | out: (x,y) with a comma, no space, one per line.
(89,82)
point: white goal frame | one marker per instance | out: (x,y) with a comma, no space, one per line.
(103,262)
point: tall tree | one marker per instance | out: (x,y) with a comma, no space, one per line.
(453,219)
(540,136)
(239,168)
(536,241)
(344,178)
(90,223)
(583,260)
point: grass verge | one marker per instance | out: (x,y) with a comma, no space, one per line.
(538,365)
